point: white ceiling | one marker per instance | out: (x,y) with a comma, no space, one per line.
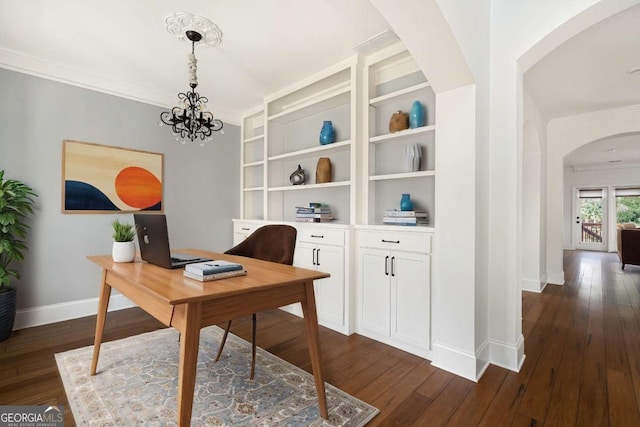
(590,73)
(122,46)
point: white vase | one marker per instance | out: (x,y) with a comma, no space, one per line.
(413,155)
(123,251)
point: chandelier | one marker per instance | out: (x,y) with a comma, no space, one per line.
(191,120)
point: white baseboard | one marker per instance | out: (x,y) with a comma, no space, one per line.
(556,278)
(462,363)
(52,313)
(532,285)
(506,355)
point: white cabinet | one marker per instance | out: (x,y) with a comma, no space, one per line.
(382,288)
(394,288)
(322,248)
(243,228)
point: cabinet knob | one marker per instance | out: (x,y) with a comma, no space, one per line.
(390,241)
(318,236)
(313,256)
(318,256)
(393,266)
(245,228)
(386,265)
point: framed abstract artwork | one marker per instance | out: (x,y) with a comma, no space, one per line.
(104,179)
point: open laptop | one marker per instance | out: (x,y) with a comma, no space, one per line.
(153,239)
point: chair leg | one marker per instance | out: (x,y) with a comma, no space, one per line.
(224,340)
(253,347)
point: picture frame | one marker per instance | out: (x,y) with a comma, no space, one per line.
(100,178)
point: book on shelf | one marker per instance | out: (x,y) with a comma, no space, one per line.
(394,220)
(212,267)
(314,215)
(310,210)
(404,214)
(216,276)
(309,219)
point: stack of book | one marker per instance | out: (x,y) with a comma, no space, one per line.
(395,217)
(213,270)
(316,212)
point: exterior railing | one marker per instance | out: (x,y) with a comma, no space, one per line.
(592,232)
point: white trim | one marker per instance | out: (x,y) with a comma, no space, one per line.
(36,316)
(462,363)
(533,285)
(50,70)
(555,277)
(506,355)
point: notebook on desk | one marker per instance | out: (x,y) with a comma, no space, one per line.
(153,239)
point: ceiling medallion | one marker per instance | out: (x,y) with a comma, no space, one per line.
(181,22)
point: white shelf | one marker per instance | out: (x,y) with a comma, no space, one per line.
(406,91)
(248,189)
(336,146)
(334,97)
(254,139)
(403,175)
(311,186)
(252,164)
(402,134)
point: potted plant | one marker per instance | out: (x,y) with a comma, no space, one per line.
(124,250)
(16,204)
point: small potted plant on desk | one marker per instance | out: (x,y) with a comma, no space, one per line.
(124,250)
(16,204)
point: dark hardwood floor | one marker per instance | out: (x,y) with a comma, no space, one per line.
(582,342)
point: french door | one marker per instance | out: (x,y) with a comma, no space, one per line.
(590,219)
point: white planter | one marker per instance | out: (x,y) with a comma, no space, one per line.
(123,251)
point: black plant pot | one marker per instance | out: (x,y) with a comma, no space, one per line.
(7,313)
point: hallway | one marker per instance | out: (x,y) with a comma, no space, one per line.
(582,343)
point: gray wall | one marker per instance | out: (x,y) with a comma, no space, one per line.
(201,184)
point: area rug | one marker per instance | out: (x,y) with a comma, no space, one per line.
(136,385)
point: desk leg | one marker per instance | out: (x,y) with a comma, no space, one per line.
(189,344)
(313,340)
(103,304)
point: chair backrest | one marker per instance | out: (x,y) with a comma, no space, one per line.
(275,243)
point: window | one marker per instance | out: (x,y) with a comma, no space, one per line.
(628,205)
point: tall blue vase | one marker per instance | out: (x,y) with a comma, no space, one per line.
(416,115)
(405,203)
(327,134)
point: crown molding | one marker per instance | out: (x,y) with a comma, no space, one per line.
(605,166)
(600,113)
(50,70)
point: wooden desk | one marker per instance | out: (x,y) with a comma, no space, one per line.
(189,305)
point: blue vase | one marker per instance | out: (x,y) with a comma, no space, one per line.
(327,134)
(405,203)
(416,115)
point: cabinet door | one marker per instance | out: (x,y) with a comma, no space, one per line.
(375,314)
(304,256)
(330,291)
(410,299)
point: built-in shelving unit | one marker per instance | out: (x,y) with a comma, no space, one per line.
(253,167)
(392,82)
(294,118)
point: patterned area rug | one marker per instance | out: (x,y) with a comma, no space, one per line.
(137,382)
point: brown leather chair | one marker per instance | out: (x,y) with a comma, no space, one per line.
(275,243)
(628,244)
